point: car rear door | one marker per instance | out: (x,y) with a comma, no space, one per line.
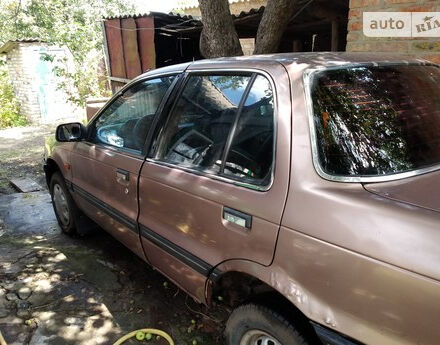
(105,167)
(215,186)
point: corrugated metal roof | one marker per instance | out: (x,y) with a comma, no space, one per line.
(187,4)
(249,13)
(10,45)
(178,22)
(154,14)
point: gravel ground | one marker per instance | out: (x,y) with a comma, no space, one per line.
(56,289)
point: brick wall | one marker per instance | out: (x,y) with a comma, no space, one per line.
(427,48)
(21,64)
(235,7)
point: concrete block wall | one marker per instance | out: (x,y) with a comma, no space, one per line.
(21,65)
(427,48)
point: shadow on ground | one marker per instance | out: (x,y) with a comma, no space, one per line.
(60,290)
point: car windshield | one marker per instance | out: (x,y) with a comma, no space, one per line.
(373,121)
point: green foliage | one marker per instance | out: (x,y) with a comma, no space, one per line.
(75,24)
(9,111)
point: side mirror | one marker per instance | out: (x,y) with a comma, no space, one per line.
(74,131)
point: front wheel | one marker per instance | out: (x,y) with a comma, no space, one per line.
(63,204)
(253,324)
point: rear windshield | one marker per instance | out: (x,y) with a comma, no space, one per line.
(372,121)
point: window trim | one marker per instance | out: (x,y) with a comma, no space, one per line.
(241,182)
(134,82)
(308,77)
(233,129)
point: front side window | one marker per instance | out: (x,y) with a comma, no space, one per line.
(126,122)
(373,121)
(222,124)
(199,125)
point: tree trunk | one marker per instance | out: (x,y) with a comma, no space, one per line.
(218,37)
(273,23)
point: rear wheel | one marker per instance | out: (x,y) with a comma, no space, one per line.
(63,204)
(253,324)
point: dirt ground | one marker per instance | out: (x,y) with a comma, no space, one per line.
(55,289)
(21,154)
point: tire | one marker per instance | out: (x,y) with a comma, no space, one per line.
(254,324)
(63,205)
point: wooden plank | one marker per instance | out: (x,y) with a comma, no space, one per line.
(116,86)
(106,56)
(25,185)
(147,49)
(297,46)
(120,80)
(130,45)
(115,48)
(335,35)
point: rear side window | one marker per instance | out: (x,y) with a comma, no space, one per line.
(373,121)
(222,124)
(198,128)
(251,152)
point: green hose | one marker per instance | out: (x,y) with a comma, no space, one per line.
(2,340)
(143,330)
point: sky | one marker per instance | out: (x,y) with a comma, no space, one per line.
(155,5)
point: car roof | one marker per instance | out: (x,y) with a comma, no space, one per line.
(292,61)
(314,59)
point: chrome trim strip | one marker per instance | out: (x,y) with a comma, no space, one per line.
(307,82)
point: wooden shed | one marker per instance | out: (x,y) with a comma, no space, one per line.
(137,43)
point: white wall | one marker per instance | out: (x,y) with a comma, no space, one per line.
(34,100)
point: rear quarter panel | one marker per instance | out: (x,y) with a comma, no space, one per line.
(356,262)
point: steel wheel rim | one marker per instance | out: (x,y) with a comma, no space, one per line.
(258,337)
(61,205)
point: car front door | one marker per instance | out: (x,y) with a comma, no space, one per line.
(105,167)
(210,191)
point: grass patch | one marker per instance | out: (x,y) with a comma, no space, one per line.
(9,111)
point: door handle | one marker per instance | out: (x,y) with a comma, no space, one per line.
(237,217)
(122,176)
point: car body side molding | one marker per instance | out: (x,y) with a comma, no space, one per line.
(123,219)
(183,255)
(330,337)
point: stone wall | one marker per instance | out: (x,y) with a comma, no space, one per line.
(21,65)
(427,48)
